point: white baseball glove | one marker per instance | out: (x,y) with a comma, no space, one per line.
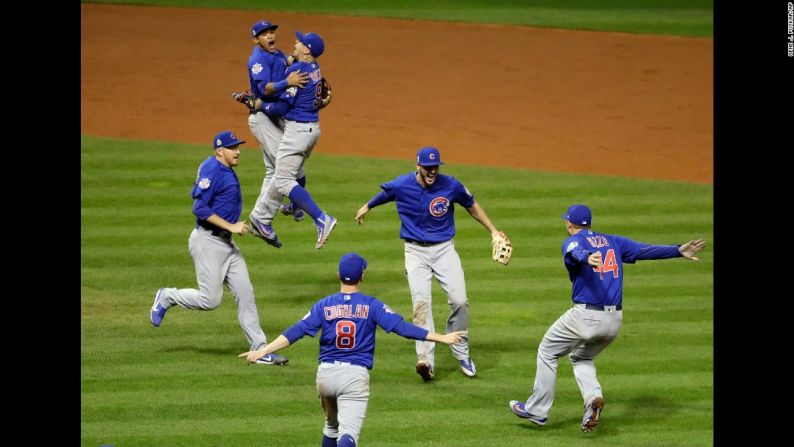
(502,247)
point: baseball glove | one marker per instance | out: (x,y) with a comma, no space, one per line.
(502,248)
(246,99)
(325,93)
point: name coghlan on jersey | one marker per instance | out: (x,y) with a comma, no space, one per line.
(346,311)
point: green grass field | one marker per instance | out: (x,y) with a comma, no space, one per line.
(675,17)
(182,384)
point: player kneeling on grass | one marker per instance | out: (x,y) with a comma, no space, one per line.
(348,320)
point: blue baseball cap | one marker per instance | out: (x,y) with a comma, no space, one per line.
(260,26)
(351,267)
(579,215)
(428,156)
(312,41)
(225,139)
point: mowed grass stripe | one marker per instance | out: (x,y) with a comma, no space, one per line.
(181,384)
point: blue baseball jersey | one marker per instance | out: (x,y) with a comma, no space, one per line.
(264,67)
(300,104)
(426,214)
(216,191)
(604,285)
(348,322)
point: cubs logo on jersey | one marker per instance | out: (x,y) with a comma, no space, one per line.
(439,206)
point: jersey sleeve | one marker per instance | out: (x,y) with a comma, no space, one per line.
(202,192)
(462,195)
(309,325)
(260,68)
(633,251)
(379,199)
(410,330)
(388,193)
(278,108)
(574,251)
(384,316)
(290,94)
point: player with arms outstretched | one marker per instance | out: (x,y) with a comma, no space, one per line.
(348,321)
(595,267)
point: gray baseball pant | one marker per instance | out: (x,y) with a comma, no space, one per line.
(269,136)
(443,262)
(583,334)
(219,262)
(344,392)
(295,148)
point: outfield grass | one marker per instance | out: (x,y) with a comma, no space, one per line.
(182,385)
(676,17)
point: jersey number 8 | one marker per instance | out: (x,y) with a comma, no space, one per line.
(345,334)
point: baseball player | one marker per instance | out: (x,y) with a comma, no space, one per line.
(348,321)
(426,206)
(299,107)
(267,78)
(217,203)
(595,267)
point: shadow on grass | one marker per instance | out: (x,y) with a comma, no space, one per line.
(219,351)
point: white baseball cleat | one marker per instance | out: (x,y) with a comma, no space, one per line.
(468,368)
(325,224)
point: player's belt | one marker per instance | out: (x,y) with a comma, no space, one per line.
(603,308)
(337,362)
(223,234)
(423,243)
(300,122)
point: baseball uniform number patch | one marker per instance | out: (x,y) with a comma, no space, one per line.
(345,334)
(609,265)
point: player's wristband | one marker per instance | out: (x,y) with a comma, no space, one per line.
(280,85)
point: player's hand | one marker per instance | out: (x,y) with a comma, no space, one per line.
(361,212)
(689,249)
(239,228)
(297,79)
(253,356)
(453,337)
(595,259)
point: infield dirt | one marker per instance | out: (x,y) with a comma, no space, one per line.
(493,95)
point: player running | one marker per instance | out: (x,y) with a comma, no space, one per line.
(348,321)
(426,206)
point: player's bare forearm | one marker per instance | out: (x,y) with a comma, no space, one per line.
(220,222)
(450,338)
(480,216)
(280,342)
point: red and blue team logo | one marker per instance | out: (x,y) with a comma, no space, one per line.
(439,206)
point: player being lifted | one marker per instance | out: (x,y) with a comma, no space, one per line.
(299,107)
